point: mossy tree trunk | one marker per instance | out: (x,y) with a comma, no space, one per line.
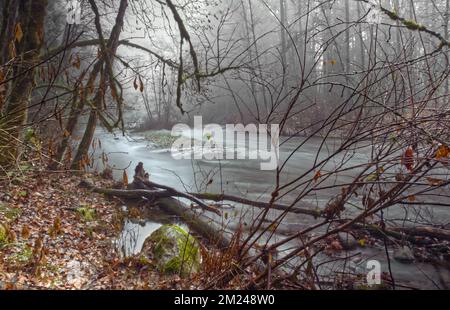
(31,16)
(8,22)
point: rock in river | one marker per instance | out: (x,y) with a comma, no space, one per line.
(404,255)
(173,250)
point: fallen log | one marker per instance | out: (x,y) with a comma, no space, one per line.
(147,193)
(138,182)
(199,222)
(425,231)
(406,233)
(310,210)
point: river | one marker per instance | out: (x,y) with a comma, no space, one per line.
(244,178)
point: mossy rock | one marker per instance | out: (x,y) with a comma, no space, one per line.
(173,250)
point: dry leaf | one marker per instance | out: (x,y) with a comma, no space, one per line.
(18,35)
(125,178)
(25,232)
(141,88)
(408,159)
(443,152)
(317,176)
(435,182)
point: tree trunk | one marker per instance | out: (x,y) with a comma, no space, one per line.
(347,37)
(9,16)
(362,52)
(81,157)
(31,18)
(398,39)
(258,60)
(252,72)
(108,53)
(7,29)
(74,114)
(447,36)
(283,34)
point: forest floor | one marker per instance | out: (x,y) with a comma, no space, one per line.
(56,235)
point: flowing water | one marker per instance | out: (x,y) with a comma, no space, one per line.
(244,178)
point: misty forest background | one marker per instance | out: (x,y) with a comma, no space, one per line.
(372,77)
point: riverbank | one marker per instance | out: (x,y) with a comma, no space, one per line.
(56,235)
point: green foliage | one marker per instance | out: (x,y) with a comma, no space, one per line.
(412,25)
(211,196)
(29,135)
(161,139)
(23,256)
(87,214)
(8,212)
(144,261)
(3,235)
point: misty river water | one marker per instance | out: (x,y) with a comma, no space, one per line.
(244,178)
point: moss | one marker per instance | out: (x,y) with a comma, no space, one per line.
(23,256)
(175,250)
(317,213)
(143,260)
(211,196)
(9,212)
(392,15)
(164,139)
(3,235)
(29,134)
(86,213)
(161,139)
(412,25)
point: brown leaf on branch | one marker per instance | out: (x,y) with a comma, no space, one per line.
(412,198)
(443,152)
(125,178)
(317,176)
(435,181)
(141,87)
(408,159)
